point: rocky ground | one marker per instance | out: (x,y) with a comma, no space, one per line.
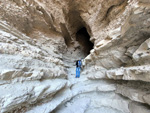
(40,42)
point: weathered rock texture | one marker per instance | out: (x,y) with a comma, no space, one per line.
(40,40)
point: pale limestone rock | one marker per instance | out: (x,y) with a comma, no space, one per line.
(39,48)
(138,108)
(27,93)
(146,98)
(130,73)
(51,105)
(142,54)
(131,50)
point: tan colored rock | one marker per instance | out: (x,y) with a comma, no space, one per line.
(40,41)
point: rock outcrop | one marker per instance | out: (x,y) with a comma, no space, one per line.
(40,42)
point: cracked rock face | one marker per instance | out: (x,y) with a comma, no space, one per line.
(40,41)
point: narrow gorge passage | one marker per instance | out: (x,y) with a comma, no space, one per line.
(83,37)
(78,50)
(41,40)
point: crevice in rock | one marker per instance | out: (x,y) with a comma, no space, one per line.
(48,19)
(66,35)
(114,10)
(83,37)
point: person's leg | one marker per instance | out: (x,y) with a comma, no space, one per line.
(76,72)
(79,72)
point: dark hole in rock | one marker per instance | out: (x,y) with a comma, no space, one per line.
(83,38)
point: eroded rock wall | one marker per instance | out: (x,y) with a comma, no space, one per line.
(39,47)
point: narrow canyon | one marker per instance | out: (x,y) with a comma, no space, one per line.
(41,40)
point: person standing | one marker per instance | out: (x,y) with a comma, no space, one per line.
(78,68)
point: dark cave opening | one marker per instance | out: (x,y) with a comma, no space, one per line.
(83,37)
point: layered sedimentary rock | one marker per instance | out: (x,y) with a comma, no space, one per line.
(41,40)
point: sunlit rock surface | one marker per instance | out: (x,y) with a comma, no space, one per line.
(40,41)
